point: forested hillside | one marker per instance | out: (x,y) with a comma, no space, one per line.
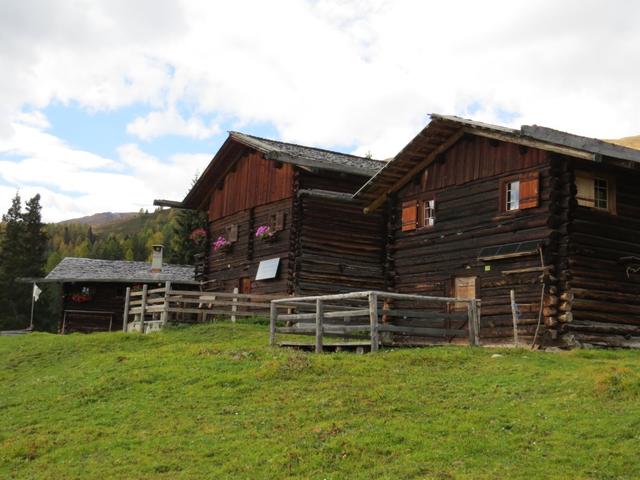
(29,248)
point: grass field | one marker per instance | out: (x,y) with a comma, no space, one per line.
(215,402)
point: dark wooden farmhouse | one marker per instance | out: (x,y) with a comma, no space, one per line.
(94,290)
(478,210)
(282,219)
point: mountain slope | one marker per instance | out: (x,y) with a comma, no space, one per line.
(631,142)
(100,218)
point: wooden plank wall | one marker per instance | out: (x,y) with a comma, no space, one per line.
(605,309)
(242,260)
(339,248)
(107,297)
(466,182)
(252,181)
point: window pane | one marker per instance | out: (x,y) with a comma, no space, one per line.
(513,195)
(601,193)
(429,213)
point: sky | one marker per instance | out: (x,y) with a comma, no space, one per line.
(108,105)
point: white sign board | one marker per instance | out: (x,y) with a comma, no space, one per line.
(268,269)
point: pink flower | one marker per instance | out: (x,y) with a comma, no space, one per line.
(198,235)
(220,242)
(264,232)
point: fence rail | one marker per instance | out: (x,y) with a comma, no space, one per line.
(151,309)
(374,314)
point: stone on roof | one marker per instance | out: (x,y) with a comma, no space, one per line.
(72,269)
(310,156)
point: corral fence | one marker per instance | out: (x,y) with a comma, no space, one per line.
(148,310)
(375,318)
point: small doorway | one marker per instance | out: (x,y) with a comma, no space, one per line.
(244,285)
(463,287)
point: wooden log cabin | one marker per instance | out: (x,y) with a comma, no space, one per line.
(478,210)
(315,237)
(94,290)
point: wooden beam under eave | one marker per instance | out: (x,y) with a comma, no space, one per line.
(417,168)
(571,152)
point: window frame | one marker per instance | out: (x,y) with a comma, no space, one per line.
(611,191)
(423,204)
(523,180)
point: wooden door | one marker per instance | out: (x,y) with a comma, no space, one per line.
(245,285)
(463,287)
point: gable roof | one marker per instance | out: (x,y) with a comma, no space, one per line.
(72,269)
(300,155)
(444,131)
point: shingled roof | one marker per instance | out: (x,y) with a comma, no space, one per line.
(300,155)
(72,269)
(310,156)
(443,131)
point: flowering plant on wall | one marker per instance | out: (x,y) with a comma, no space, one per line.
(80,297)
(221,244)
(198,235)
(264,232)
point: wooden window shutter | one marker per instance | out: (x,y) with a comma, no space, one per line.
(586,195)
(279,223)
(529,190)
(232,233)
(409,215)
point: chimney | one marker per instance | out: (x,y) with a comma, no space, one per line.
(156,258)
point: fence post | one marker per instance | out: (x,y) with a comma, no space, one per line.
(273,315)
(474,324)
(373,320)
(143,307)
(234,307)
(164,316)
(319,318)
(515,313)
(125,315)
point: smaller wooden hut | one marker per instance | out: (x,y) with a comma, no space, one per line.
(94,290)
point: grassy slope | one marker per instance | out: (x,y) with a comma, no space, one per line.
(215,402)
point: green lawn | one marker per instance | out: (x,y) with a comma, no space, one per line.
(216,402)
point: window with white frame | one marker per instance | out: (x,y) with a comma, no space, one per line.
(595,192)
(429,213)
(512,195)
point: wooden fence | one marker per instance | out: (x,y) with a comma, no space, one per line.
(159,306)
(388,318)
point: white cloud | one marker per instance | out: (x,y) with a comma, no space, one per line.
(170,122)
(74,183)
(325,72)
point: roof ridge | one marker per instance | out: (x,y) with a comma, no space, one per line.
(307,146)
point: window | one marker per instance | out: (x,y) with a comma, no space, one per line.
(428,213)
(595,192)
(512,192)
(418,214)
(232,233)
(520,193)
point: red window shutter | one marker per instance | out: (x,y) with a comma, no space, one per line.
(529,190)
(409,215)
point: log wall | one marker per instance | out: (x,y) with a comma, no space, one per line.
(241,261)
(339,248)
(105,297)
(601,297)
(251,181)
(466,183)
